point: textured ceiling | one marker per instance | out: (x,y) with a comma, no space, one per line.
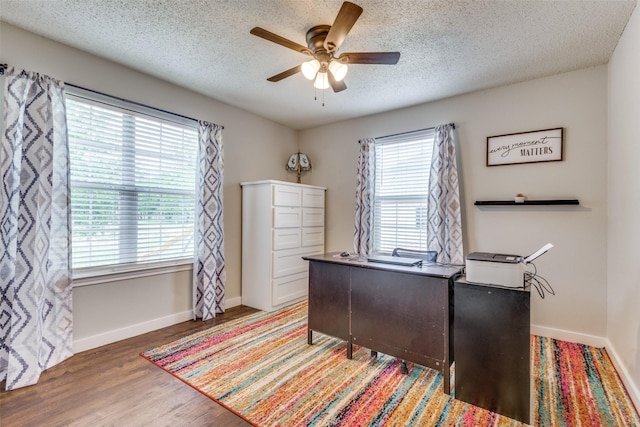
(447,47)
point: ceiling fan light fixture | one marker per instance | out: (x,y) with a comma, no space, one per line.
(322,81)
(324,66)
(338,69)
(310,69)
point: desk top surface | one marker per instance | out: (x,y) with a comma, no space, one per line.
(427,269)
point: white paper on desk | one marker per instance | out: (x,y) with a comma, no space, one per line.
(537,253)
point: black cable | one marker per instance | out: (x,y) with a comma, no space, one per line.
(540,283)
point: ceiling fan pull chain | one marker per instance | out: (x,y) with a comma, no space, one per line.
(315,95)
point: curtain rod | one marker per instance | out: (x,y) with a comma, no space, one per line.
(134,102)
(417,130)
(4,67)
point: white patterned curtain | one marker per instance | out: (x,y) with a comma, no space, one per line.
(209,274)
(35,268)
(444,227)
(363,232)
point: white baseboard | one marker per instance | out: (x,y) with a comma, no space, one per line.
(233,302)
(98,340)
(561,334)
(632,389)
(109,337)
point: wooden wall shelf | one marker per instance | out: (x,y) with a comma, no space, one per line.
(526,202)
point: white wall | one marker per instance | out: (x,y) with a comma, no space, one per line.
(254,148)
(623,281)
(576,266)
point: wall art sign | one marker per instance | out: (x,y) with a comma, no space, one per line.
(525,147)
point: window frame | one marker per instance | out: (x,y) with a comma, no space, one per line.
(378,247)
(84,276)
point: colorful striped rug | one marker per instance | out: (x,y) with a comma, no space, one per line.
(261,368)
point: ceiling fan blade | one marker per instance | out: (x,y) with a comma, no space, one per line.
(285,74)
(337,86)
(268,35)
(347,16)
(390,58)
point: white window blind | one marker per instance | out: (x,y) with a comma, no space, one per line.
(401,191)
(132,186)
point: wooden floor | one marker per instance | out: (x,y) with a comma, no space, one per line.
(114,386)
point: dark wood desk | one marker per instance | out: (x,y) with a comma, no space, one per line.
(492,345)
(400,311)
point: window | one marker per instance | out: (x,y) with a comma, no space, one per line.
(133,178)
(402,164)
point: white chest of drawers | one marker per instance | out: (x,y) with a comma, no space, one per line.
(281,223)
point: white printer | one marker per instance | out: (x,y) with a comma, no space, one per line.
(495,269)
(500,269)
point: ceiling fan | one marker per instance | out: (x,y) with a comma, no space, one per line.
(326,67)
